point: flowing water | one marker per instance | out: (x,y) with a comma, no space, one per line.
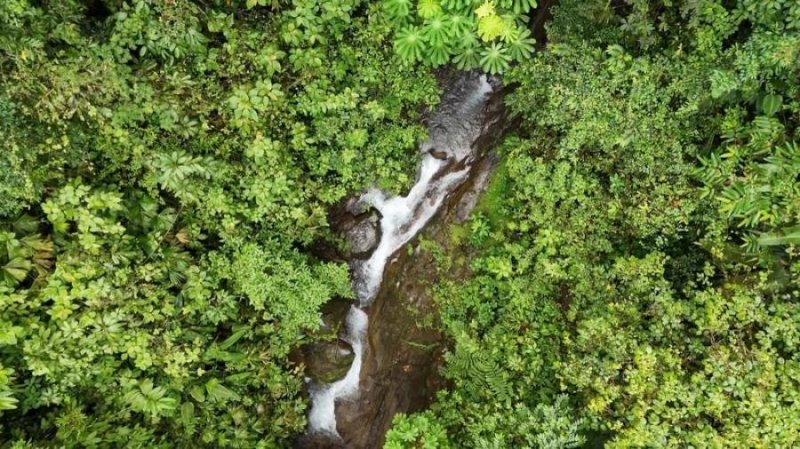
(447,161)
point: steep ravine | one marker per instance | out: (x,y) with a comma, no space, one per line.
(399,357)
(396,362)
(400,373)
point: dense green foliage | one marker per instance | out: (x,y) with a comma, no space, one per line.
(165,166)
(638,249)
(466,33)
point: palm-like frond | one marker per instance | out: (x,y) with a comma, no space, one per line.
(495,58)
(458,26)
(429,8)
(436,32)
(409,43)
(468,56)
(439,54)
(521,46)
(397,9)
(491,27)
(518,6)
(460,6)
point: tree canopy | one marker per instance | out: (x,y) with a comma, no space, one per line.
(168,168)
(636,276)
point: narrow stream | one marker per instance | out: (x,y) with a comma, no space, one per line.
(447,161)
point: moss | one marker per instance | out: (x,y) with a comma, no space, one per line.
(489,214)
(491,204)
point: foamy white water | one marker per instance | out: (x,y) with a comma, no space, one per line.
(454,128)
(322,415)
(402,218)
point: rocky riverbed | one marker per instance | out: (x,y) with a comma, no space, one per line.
(401,355)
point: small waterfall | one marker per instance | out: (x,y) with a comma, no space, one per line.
(322,416)
(445,165)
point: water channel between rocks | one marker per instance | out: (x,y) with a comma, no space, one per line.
(454,167)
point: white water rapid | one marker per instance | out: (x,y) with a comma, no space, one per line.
(445,165)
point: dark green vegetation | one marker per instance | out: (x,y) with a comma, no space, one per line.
(167,166)
(636,282)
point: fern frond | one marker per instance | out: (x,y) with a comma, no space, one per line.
(482,373)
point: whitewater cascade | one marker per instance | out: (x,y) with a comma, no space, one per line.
(445,165)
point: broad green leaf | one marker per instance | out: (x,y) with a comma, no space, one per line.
(187,415)
(771,104)
(219,392)
(17,270)
(7,401)
(787,236)
(198,393)
(230,341)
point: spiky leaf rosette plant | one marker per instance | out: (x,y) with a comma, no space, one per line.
(491,27)
(459,25)
(409,44)
(468,56)
(397,10)
(495,59)
(521,45)
(518,6)
(466,33)
(429,8)
(459,5)
(485,10)
(436,32)
(439,54)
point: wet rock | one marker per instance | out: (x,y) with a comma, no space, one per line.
(327,361)
(358,223)
(438,154)
(363,236)
(355,207)
(348,217)
(319,441)
(334,313)
(400,371)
